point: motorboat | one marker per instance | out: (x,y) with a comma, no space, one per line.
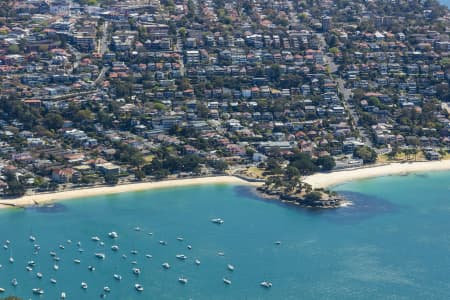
(100,255)
(137,228)
(95,238)
(56,258)
(163,243)
(181,256)
(166,265)
(124,256)
(113,235)
(81,250)
(29,269)
(84,285)
(189,247)
(107,289)
(138,287)
(11,259)
(180,239)
(134,252)
(38,291)
(39,275)
(226,281)
(266,284)
(77,261)
(91,268)
(230,267)
(53,280)
(115,248)
(148,255)
(221,253)
(278,243)
(134,262)
(117,277)
(183,280)
(31,263)
(197,262)
(14,282)
(61,247)
(217,221)
(2,290)
(32,238)
(55,267)
(136,271)
(52,253)
(63,295)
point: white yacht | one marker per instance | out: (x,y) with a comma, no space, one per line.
(230,267)
(2,290)
(84,285)
(189,247)
(107,289)
(137,228)
(52,253)
(278,243)
(166,265)
(180,239)
(183,280)
(266,284)
(136,271)
(163,242)
(181,256)
(113,235)
(138,287)
(95,238)
(77,261)
(29,269)
(117,277)
(55,267)
(39,275)
(63,295)
(61,247)
(32,238)
(217,221)
(31,263)
(134,252)
(100,255)
(11,259)
(14,282)
(226,281)
(197,262)
(148,255)
(38,291)
(53,280)
(221,253)
(115,248)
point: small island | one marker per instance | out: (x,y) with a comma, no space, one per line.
(283,181)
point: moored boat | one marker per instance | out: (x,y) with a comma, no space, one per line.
(226,281)
(138,287)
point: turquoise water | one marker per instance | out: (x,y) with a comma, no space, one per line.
(392,244)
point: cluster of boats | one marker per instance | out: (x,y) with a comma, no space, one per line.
(102,256)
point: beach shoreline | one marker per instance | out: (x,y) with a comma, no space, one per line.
(327,180)
(47,198)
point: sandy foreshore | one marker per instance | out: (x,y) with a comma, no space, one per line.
(324,180)
(107,190)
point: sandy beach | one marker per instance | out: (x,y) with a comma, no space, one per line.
(107,190)
(324,180)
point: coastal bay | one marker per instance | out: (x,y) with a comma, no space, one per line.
(372,250)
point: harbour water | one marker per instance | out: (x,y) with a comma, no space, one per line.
(393,243)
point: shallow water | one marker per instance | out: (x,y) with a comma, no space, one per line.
(393,243)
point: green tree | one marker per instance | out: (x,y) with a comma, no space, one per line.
(53,121)
(367,154)
(326,163)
